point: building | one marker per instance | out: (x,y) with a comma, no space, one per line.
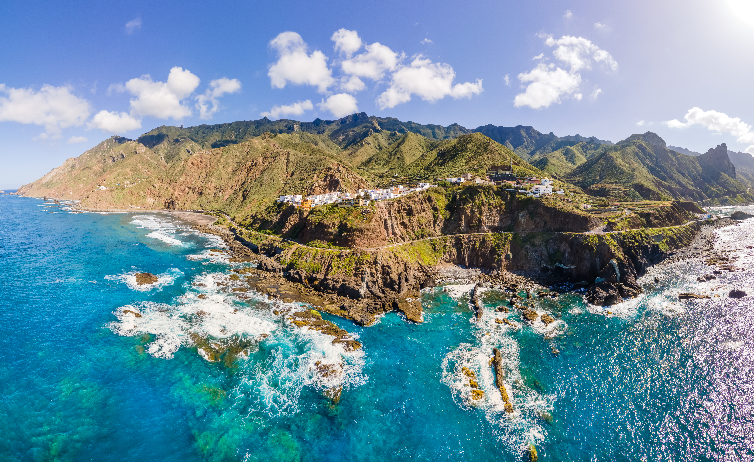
(499,174)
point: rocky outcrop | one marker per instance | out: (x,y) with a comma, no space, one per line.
(740,216)
(145,278)
(497,363)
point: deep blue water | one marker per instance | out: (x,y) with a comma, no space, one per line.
(81,379)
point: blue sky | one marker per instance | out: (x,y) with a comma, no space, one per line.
(71,75)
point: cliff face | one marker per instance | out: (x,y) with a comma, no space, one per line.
(429,214)
(376,280)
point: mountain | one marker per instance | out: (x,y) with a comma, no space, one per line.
(643,167)
(744,164)
(684,151)
(242,167)
(528,142)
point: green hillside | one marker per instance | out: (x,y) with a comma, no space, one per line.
(643,167)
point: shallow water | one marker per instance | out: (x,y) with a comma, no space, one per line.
(83,378)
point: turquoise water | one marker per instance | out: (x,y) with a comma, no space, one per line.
(83,379)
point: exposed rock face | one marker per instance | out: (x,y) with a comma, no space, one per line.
(718,160)
(145,278)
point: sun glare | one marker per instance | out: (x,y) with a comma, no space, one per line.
(744,9)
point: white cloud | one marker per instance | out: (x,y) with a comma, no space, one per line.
(675,124)
(373,63)
(507,80)
(55,108)
(346,42)
(218,88)
(295,109)
(426,41)
(577,53)
(596,93)
(549,84)
(640,123)
(79,139)
(568,14)
(294,65)
(599,25)
(430,81)
(115,88)
(340,105)
(750,150)
(539,57)
(133,25)
(352,84)
(162,100)
(717,122)
(113,122)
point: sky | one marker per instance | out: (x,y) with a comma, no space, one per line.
(74,73)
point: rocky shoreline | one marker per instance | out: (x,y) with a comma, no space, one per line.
(400,283)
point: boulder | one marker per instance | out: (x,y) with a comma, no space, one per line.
(547,319)
(529,315)
(737,294)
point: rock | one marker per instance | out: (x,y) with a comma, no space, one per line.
(737,294)
(529,315)
(740,216)
(657,280)
(691,296)
(202,296)
(411,308)
(604,294)
(547,319)
(533,453)
(145,278)
(497,362)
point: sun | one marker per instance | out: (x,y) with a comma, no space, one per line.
(744,9)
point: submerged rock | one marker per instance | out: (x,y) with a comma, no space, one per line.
(145,278)
(529,315)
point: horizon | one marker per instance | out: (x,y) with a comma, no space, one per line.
(76,75)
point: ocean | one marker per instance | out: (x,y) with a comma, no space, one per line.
(83,378)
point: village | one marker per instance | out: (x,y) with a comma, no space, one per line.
(496,175)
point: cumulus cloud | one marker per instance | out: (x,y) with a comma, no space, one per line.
(426,41)
(373,63)
(539,57)
(295,109)
(568,14)
(218,88)
(507,80)
(346,42)
(548,84)
(114,122)
(352,84)
(340,105)
(296,66)
(640,123)
(596,93)
(133,25)
(599,25)
(429,81)
(79,139)
(162,100)
(55,108)
(717,122)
